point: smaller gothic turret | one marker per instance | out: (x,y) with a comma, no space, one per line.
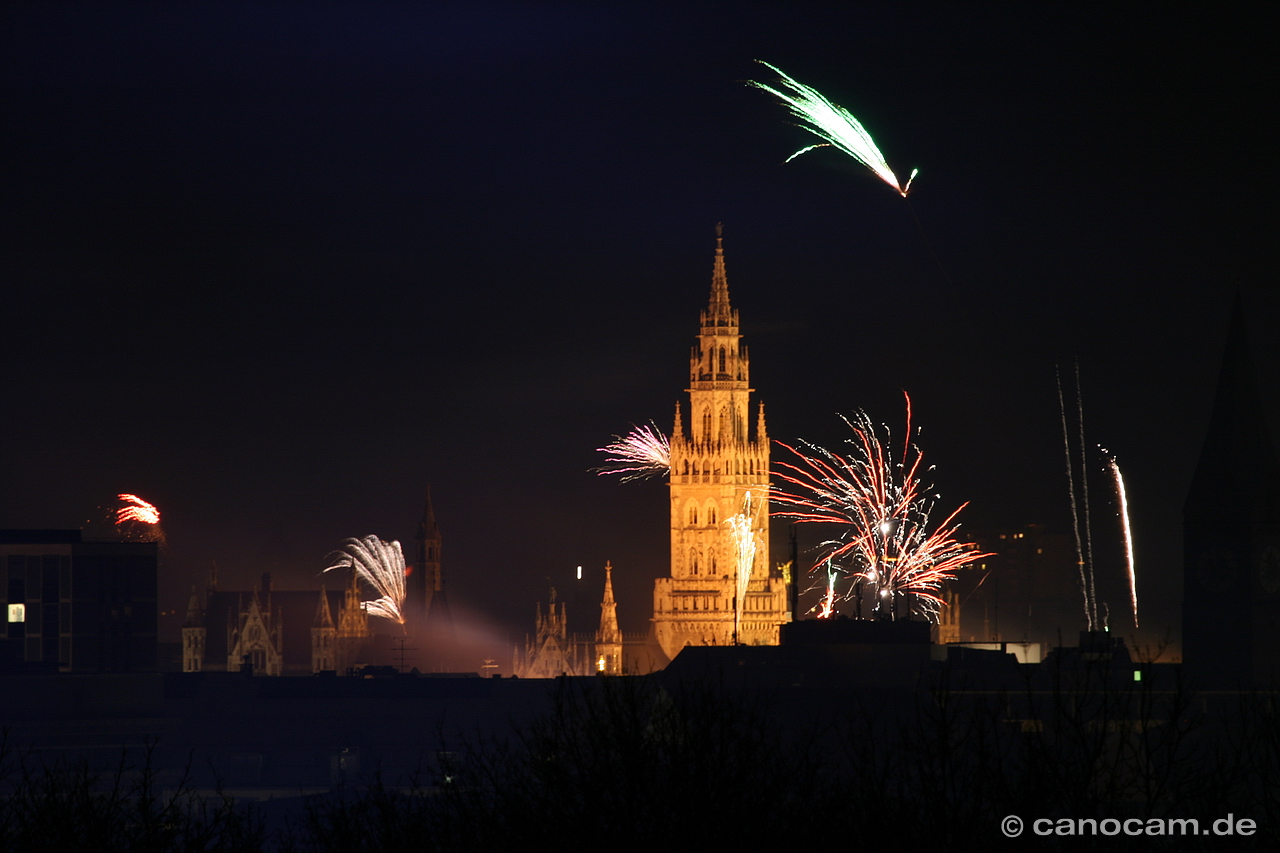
(194,634)
(324,637)
(608,637)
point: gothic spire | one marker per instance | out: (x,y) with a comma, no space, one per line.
(719,315)
(324,619)
(428,529)
(195,611)
(608,632)
(719,279)
(1237,458)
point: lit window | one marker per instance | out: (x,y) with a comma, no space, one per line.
(17,613)
(1137,675)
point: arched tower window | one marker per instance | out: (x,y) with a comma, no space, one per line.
(722,359)
(693,515)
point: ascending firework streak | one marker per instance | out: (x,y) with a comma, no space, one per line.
(1128,535)
(644,452)
(834,124)
(828,606)
(1084,546)
(882,510)
(742,528)
(381,565)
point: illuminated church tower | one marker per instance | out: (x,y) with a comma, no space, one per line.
(714,464)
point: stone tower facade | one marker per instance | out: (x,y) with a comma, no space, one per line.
(425,584)
(324,637)
(194,635)
(715,462)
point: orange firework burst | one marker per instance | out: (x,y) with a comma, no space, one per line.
(882,509)
(136,509)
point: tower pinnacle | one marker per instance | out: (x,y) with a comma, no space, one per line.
(609,637)
(719,318)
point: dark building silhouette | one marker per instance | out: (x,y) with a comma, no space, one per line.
(424,587)
(1231,536)
(1026,588)
(79,606)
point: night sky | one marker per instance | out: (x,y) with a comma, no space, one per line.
(278,269)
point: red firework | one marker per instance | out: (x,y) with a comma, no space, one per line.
(882,510)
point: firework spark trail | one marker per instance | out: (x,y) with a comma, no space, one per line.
(137,519)
(834,124)
(379,564)
(883,512)
(1071,491)
(1128,536)
(643,452)
(742,529)
(828,605)
(136,509)
(1084,490)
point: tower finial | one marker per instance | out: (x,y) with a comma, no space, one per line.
(719,309)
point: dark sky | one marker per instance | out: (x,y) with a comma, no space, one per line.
(276,269)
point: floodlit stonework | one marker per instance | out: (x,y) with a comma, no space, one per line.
(713,465)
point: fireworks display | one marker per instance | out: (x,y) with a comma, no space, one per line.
(827,608)
(881,510)
(834,124)
(742,528)
(138,519)
(136,509)
(1123,500)
(643,452)
(380,565)
(1084,544)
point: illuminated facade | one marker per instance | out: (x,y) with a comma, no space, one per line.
(552,652)
(275,632)
(608,637)
(714,464)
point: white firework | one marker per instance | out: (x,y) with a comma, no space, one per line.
(380,565)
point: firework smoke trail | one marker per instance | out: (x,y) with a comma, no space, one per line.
(379,564)
(643,452)
(834,124)
(1075,514)
(1128,535)
(883,512)
(742,528)
(1084,490)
